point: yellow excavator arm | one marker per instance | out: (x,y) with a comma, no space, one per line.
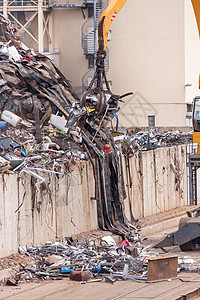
(106,19)
(196,7)
(97,96)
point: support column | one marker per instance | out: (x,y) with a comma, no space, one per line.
(40,27)
(51,32)
(5,8)
(95,32)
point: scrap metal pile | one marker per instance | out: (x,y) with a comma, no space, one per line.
(44,127)
(89,261)
(85,261)
(152,139)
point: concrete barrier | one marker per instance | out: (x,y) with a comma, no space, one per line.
(158,181)
(32,213)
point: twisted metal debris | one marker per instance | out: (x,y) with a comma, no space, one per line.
(48,129)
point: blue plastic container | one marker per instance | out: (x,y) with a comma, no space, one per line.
(3,125)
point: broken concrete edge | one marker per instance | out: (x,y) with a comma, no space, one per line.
(161,226)
(163,221)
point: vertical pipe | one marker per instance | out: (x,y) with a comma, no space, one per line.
(51,32)
(40,27)
(190,183)
(195,175)
(5,8)
(95,32)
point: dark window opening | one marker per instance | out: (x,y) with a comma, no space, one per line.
(189,107)
(90,61)
(151,121)
(90,11)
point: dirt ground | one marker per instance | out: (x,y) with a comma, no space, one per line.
(186,284)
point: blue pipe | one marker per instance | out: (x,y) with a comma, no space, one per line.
(116,116)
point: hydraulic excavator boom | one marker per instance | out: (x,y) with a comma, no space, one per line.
(97,103)
(106,19)
(97,97)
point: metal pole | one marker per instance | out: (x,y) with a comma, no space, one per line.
(51,32)
(5,8)
(95,32)
(40,27)
(190,183)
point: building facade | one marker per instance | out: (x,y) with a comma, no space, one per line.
(154,51)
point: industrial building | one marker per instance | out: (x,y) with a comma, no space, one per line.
(99,187)
(153,50)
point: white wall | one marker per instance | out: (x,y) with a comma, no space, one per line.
(159,181)
(192,53)
(64,207)
(154,50)
(147,56)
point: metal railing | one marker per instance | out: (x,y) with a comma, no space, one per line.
(88,37)
(24,3)
(192,148)
(88,31)
(67,3)
(46,3)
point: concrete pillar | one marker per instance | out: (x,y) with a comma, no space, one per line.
(40,27)
(5,8)
(51,32)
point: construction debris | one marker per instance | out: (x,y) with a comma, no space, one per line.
(147,140)
(32,91)
(89,261)
(46,128)
(82,261)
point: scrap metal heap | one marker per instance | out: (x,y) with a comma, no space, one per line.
(48,128)
(86,261)
(93,260)
(136,139)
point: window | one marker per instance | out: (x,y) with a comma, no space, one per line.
(90,11)
(151,120)
(189,107)
(90,61)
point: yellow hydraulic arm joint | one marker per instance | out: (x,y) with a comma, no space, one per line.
(108,16)
(196,7)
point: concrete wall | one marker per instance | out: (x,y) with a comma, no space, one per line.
(159,181)
(67,25)
(32,213)
(192,53)
(148,36)
(62,207)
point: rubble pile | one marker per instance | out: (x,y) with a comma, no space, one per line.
(85,261)
(188,265)
(152,139)
(90,260)
(32,91)
(46,128)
